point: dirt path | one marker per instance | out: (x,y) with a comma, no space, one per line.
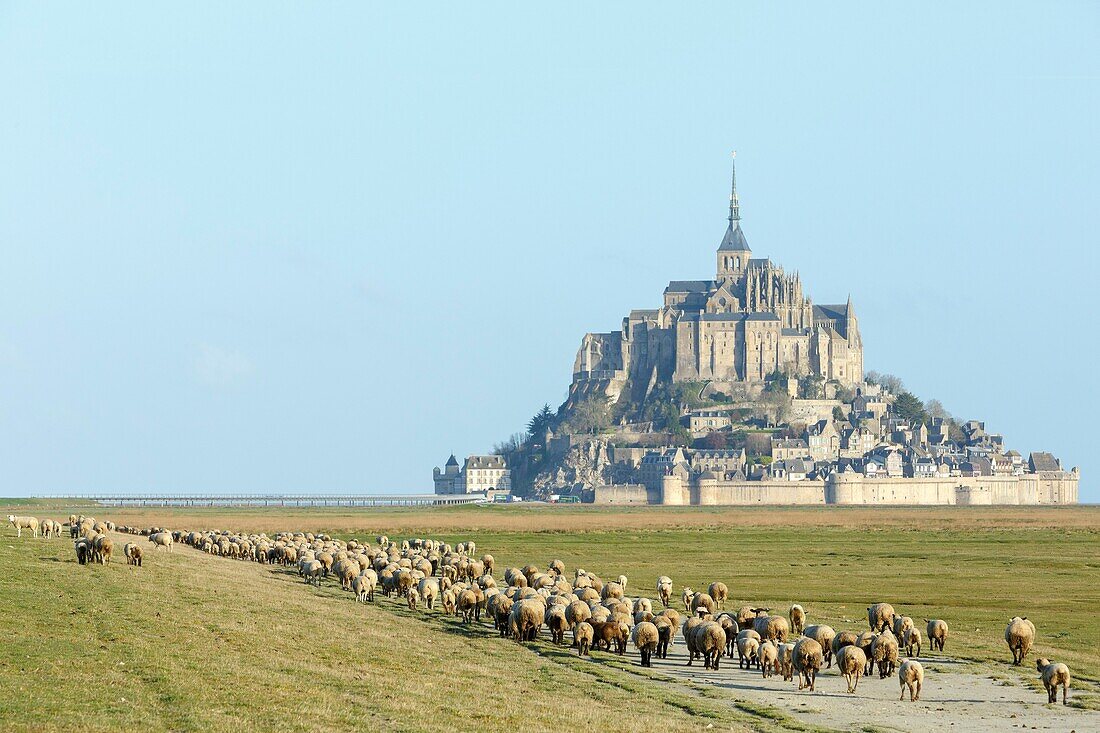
(951,700)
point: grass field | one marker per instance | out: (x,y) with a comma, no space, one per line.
(192,642)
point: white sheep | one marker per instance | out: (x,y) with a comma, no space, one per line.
(22,523)
(911,675)
(1054,674)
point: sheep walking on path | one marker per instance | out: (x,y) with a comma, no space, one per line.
(911,675)
(1019,635)
(1054,674)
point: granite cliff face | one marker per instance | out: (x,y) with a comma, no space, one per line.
(584,466)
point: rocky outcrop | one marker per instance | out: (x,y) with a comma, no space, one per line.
(584,466)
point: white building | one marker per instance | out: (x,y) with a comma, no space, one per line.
(479,474)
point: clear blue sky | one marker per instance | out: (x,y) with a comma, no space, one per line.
(320,247)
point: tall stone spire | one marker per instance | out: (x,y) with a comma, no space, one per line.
(734,239)
(735,204)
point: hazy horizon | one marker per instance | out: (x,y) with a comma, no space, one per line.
(291,249)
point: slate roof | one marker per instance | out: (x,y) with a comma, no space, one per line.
(452,461)
(1043,461)
(734,240)
(689,286)
(831,312)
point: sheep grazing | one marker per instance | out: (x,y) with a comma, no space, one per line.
(911,640)
(50,528)
(880,616)
(772,628)
(798,620)
(83,549)
(823,635)
(413,598)
(102,547)
(22,523)
(556,567)
(769,658)
(719,592)
(1054,674)
(582,638)
(134,554)
(621,580)
(664,590)
(911,675)
(884,652)
(161,539)
(1020,635)
(645,638)
(851,662)
(806,658)
(785,662)
(936,631)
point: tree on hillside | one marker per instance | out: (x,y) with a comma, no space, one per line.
(892,384)
(542,420)
(908,407)
(838,414)
(591,415)
(934,408)
(777,405)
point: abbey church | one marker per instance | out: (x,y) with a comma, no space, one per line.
(750,321)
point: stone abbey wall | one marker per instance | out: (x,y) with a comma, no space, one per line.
(852,489)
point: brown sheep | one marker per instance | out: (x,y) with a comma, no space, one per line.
(1054,674)
(1020,635)
(807,659)
(611,633)
(645,637)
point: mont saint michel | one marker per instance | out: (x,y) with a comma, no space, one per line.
(750,321)
(740,389)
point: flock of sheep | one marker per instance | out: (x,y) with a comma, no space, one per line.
(597,614)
